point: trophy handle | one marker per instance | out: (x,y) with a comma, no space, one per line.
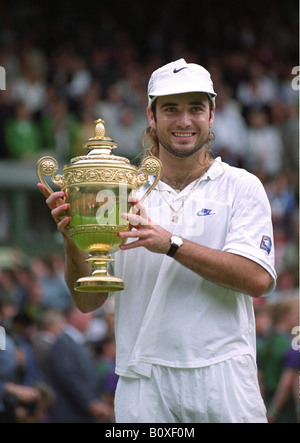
(150,166)
(48,166)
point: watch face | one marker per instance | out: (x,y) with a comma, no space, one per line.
(175,243)
(176,240)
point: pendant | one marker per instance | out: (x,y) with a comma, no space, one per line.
(175,218)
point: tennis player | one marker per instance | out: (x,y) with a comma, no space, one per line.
(200,249)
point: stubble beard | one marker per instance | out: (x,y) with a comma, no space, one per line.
(184,153)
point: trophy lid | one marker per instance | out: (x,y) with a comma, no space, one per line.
(100,147)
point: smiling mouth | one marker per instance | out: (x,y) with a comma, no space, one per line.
(183,134)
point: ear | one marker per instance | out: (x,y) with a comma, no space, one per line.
(212,117)
(151,118)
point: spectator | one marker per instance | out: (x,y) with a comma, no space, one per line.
(287,392)
(80,78)
(50,325)
(29,87)
(106,361)
(259,90)
(12,393)
(283,201)
(32,306)
(230,129)
(60,130)
(7,113)
(22,134)
(85,130)
(264,144)
(125,133)
(290,136)
(37,412)
(277,363)
(108,108)
(74,377)
(29,371)
(55,293)
(9,285)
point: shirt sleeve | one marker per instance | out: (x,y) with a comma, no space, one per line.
(251,231)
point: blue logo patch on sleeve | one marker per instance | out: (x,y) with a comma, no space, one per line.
(266,243)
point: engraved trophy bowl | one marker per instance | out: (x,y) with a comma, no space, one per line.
(97,186)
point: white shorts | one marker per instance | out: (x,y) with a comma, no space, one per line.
(226,392)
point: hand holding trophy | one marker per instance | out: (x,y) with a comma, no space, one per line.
(98,186)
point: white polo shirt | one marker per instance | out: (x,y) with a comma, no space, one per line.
(169,315)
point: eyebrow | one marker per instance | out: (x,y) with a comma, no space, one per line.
(193,103)
(197,103)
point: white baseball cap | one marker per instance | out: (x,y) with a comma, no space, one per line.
(179,77)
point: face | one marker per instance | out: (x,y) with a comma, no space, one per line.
(182,122)
(79,320)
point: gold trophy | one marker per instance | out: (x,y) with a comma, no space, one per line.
(97,187)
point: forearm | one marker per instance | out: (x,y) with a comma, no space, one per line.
(283,393)
(225,269)
(76,267)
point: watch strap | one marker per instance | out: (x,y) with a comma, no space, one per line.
(172,250)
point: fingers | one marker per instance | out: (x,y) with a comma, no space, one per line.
(139,220)
(61,225)
(56,199)
(43,190)
(60,212)
(139,238)
(138,207)
(59,209)
(62,219)
(139,216)
(134,220)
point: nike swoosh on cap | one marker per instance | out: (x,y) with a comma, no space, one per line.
(177,70)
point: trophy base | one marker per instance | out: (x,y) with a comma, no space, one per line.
(99,284)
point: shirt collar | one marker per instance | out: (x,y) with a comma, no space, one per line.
(74,334)
(216,169)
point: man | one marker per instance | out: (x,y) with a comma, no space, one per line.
(12,393)
(200,250)
(73,375)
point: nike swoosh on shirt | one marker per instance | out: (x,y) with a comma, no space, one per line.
(205,212)
(178,70)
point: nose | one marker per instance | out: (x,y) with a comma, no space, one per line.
(184,119)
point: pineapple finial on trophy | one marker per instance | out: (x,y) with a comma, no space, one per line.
(99,144)
(99,128)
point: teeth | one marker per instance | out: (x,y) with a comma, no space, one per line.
(185,134)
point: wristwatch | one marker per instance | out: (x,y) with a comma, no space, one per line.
(176,242)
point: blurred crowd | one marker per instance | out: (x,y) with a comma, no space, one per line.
(56,363)
(67,66)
